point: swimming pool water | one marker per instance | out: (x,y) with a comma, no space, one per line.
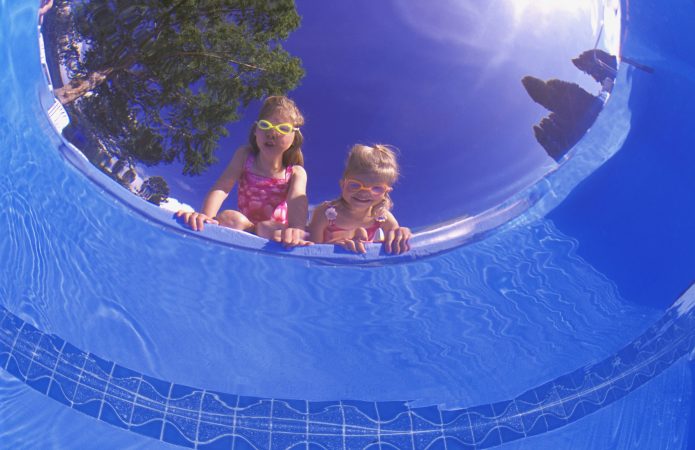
(551,298)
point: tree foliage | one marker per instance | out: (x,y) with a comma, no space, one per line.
(165,77)
(155,190)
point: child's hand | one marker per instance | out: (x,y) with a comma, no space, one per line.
(195,220)
(354,244)
(396,240)
(292,237)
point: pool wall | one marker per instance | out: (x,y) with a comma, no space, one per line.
(195,417)
(625,206)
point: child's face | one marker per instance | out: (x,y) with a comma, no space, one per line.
(272,140)
(363,190)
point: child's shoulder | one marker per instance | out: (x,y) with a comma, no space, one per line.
(323,206)
(320,209)
(238,161)
(241,154)
(243,151)
(389,220)
(299,171)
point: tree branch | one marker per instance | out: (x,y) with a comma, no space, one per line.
(218,56)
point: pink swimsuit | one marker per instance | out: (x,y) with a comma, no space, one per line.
(332,227)
(263,198)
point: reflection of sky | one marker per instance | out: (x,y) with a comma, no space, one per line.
(441,83)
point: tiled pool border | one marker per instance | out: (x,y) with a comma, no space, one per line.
(198,418)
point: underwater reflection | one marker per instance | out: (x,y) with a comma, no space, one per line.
(158,96)
(573,109)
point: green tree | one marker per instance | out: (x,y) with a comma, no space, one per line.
(165,77)
(155,190)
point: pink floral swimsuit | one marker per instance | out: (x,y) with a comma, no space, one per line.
(263,198)
(332,214)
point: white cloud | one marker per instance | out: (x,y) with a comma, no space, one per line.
(183,185)
(173,205)
(467,23)
(493,31)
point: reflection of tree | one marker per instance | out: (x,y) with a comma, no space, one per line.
(119,166)
(164,78)
(598,64)
(573,110)
(58,30)
(155,190)
(129,176)
(123,170)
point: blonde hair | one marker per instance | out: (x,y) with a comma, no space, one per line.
(293,155)
(378,159)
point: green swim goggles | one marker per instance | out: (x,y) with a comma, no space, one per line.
(282,128)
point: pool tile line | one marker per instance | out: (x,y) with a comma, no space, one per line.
(198,418)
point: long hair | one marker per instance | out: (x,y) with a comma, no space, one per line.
(377,159)
(293,155)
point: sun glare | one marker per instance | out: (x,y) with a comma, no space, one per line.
(524,9)
(502,28)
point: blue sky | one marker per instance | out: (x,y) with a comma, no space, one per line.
(441,84)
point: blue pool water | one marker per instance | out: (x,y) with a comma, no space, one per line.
(560,319)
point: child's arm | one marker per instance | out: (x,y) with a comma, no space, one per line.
(395,237)
(318,223)
(297,211)
(219,191)
(217,194)
(297,203)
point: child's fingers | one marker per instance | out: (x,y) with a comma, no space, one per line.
(348,244)
(406,238)
(197,221)
(189,219)
(360,247)
(360,234)
(354,245)
(360,237)
(304,241)
(402,245)
(396,244)
(301,243)
(405,245)
(292,237)
(396,241)
(388,241)
(202,220)
(403,236)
